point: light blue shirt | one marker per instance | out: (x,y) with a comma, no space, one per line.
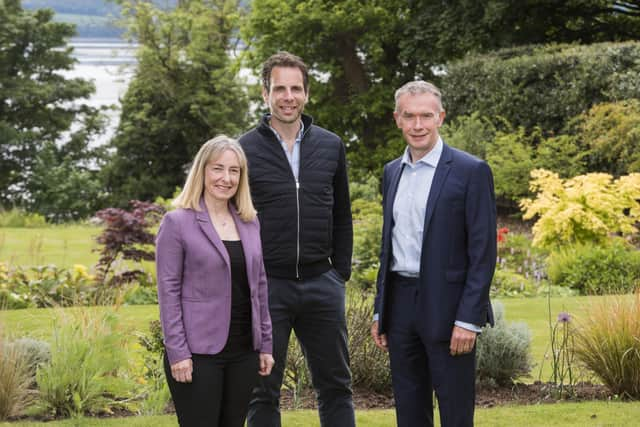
(293,156)
(409,210)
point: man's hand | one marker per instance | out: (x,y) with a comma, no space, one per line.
(462,341)
(379,339)
(181,371)
(266,363)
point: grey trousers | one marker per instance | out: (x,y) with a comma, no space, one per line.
(315,309)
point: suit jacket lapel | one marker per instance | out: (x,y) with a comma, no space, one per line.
(439,178)
(207,228)
(393,189)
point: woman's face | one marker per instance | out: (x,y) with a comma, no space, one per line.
(221,176)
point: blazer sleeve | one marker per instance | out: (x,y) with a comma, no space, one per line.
(263,296)
(480,221)
(382,264)
(169,266)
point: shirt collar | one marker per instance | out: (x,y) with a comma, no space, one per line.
(431,158)
(275,132)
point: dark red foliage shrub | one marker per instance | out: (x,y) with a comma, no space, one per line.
(127,236)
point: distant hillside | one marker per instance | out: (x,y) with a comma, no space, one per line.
(92,18)
(76,7)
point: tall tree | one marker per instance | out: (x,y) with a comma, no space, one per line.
(185,91)
(352,47)
(37,103)
(360,51)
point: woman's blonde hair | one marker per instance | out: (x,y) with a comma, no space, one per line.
(189,197)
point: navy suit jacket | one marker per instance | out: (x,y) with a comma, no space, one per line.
(458,246)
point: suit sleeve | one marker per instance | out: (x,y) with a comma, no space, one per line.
(480,222)
(342,221)
(169,265)
(263,296)
(381,273)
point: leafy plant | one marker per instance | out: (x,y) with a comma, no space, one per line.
(502,351)
(594,269)
(367,231)
(511,158)
(369,365)
(608,343)
(609,136)
(18,218)
(126,236)
(585,208)
(33,352)
(156,394)
(46,286)
(86,372)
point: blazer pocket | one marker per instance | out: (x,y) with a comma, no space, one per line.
(456,276)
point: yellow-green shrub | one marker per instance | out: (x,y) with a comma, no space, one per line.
(586,208)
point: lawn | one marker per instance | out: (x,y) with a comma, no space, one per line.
(561,414)
(62,245)
(68,245)
(533,311)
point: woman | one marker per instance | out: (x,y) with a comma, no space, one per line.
(212,291)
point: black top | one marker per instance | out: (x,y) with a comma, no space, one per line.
(318,203)
(240,335)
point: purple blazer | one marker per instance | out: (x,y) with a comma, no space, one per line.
(194,284)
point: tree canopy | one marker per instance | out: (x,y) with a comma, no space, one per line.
(38,105)
(360,51)
(185,91)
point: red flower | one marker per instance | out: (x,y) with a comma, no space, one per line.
(502,234)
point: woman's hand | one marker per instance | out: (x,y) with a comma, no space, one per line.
(181,371)
(266,363)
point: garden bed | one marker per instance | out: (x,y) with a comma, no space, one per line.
(486,397)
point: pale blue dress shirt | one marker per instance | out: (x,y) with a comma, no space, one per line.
(293,156)
(409,210)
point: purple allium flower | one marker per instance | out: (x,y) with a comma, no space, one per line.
(564,317)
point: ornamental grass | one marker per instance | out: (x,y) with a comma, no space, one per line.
(608,343)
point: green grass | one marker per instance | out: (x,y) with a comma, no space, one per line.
(63,245)
(535,313)
(561,414)
(59,245)
(532,311)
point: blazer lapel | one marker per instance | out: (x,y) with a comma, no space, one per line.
(202,217)
(393,189)
(439,178)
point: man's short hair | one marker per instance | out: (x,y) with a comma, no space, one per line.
(284,59)
(418,87)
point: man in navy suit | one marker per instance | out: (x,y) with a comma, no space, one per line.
(436,264)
